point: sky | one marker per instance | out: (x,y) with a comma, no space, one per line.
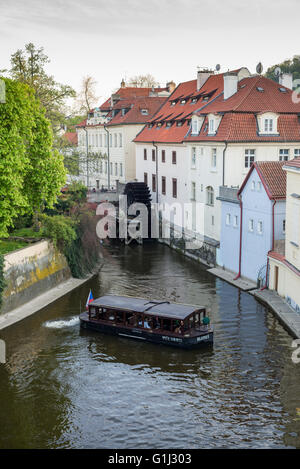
(114,39)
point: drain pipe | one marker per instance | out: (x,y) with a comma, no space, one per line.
(273,245)
(241,226)
(108,160)
(156,165)
(224,151)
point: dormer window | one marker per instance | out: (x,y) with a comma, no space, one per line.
(183,101)
(179,123)
(194,100)
(173,103)
(144,112)
(195,129)
(168,124)
(267,123)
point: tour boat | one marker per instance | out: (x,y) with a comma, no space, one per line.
(160,322)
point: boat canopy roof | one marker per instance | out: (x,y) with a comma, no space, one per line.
(151,307)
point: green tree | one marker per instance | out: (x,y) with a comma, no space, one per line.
(31,173)
(28,66)
(287,66)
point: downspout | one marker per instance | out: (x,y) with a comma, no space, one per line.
(108,162)
(224,151)
(273,244)
(241,231)
(87,157)
(156,164)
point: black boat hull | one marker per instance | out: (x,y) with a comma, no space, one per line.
(205,339)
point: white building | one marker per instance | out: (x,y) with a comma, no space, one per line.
(108,132)
(218,125)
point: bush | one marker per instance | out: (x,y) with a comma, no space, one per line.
(61,230)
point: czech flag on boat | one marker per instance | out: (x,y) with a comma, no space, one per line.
(89,299)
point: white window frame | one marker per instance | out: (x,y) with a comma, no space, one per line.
(251,225)
(283,153)
(193,158)
(250,154)
(213,161)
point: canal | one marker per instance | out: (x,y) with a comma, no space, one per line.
(63,387)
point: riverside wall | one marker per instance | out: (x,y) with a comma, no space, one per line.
(31,271)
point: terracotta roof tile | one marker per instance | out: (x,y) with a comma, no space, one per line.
(273,177)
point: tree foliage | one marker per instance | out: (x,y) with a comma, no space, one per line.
(141,81)
(87,97)
(31,173)
(28,66)
(287,66)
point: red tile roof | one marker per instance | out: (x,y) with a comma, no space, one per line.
(272,177)
(134,114)
(295,163)
(238,122)
(129,92)
(242,127)
(71,137)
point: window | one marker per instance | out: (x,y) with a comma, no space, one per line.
(249,158)
(283,226)
(153,155)
(228,219)
(174,157)
(110,140)
(146,178)
(116,169)
(106,167)
(209,196)
(212,220)
(268,125)
(211,126)
(96,140)
(194,126)
(116,140)
(100,143)
(163,156)
(259,186)
(101,167)
(145,153)
(121,169)
(111,168)
(260,227)
(297,153)
(283,154)
(163,185)
(144,112)
(120,140)
(174,188)
(251,224)
(194,157)
(193,191)
(214,158)
(253,186)
(235,221)
(153,183)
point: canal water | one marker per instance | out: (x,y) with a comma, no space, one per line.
(63,387)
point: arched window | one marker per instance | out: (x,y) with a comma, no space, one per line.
(209,196)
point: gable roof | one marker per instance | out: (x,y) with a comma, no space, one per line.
(134,108)
(129,92)
(255,95)
(272,177)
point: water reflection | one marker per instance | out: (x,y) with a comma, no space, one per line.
(69,388)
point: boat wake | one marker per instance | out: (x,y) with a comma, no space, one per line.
(62,323)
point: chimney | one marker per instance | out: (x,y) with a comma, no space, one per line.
(202,76)
(123,83)
(230,84)
(170,86)
(286,79)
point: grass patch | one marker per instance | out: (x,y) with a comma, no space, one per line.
(9,246)
(27,233)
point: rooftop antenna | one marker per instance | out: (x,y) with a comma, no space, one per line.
(259,68)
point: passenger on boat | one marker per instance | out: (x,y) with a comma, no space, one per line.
(147,323)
